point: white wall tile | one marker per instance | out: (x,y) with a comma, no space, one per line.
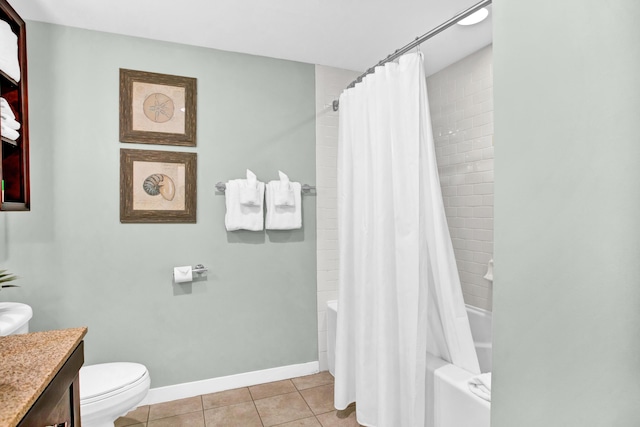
(324,296)
(462,118)
(322,358)
(329,84)
(322,320)
(322,341)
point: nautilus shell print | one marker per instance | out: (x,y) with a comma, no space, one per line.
(161,184)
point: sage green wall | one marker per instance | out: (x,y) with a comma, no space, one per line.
(567,214)
(80,266)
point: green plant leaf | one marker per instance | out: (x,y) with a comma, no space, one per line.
(7,277)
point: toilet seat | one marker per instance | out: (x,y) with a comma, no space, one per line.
(98,382)
(110,390)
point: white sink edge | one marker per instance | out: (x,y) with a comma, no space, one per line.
(13,316)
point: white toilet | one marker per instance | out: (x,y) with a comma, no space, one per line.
(110,390)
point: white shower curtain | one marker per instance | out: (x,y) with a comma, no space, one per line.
(400,293)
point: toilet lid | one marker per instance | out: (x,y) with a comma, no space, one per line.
(97,380)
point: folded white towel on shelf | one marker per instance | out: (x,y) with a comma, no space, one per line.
(239,216)
(9,51)
(249,191)
(480,385)
(283,217)
(8,133)
(283,195)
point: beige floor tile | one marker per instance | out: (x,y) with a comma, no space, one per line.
(193,419)
(346,418)
(175,407)
(224,398)
(240,415)
(271,389)
(321,378)
(305,422)
(137,416)
(319,399)
(281,409)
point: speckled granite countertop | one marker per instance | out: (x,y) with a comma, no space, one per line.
(28,363)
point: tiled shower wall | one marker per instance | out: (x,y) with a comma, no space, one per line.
(461,102)
(330,82)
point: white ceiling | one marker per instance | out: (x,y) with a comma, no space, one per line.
(350,34)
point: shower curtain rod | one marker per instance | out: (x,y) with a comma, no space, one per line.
(418,41)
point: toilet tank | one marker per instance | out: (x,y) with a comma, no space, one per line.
(14,318)
(332,325)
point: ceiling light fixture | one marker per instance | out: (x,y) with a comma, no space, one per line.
(474,18)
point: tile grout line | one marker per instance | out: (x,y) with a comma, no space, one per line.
(204,420)
(256,407)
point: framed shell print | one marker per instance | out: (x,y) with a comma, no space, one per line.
(157,186)
(157,108)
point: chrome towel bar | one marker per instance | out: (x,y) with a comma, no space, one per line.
(221,187)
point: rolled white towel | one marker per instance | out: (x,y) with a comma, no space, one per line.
(9,51)
(480,385)
(283,192)
(9,133)
(9,122)
(250,191)
(5,108)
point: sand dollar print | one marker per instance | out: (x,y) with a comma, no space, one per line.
(158,107)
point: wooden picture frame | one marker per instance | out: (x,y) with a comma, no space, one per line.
(157,186)
(157,108)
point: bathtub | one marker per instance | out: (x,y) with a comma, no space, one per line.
(480,322)
(449,401)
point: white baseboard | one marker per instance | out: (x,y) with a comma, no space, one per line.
(213,385)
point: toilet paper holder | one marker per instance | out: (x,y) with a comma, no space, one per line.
(199,269)
(187,273)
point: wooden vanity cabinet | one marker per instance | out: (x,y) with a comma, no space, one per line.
(14,169)
(40,378)
(59,403)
